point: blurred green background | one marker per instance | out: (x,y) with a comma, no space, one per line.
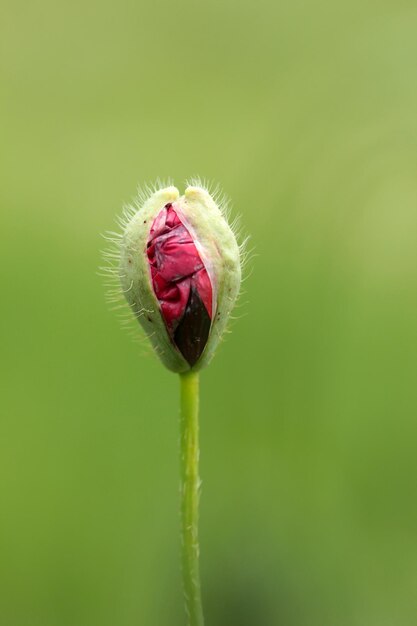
(305,113)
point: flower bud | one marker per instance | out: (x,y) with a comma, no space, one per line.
(180,272)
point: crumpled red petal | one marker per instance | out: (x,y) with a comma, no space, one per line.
(180,282)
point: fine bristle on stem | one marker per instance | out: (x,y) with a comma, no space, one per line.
(190,484)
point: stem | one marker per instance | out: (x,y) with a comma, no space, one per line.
(190,484)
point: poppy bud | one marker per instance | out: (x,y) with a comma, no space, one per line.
(180,272)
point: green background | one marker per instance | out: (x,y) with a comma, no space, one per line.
(305,113)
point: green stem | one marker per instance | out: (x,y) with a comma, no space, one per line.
(190,484)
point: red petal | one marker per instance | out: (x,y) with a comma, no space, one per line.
(176,269)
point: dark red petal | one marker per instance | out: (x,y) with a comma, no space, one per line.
(181,283)
(193,330)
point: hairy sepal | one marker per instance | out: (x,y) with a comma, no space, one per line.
(218,249)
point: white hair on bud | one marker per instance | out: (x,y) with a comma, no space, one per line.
(118,296)
(115,294)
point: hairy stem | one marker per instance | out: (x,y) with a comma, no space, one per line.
(190,484)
